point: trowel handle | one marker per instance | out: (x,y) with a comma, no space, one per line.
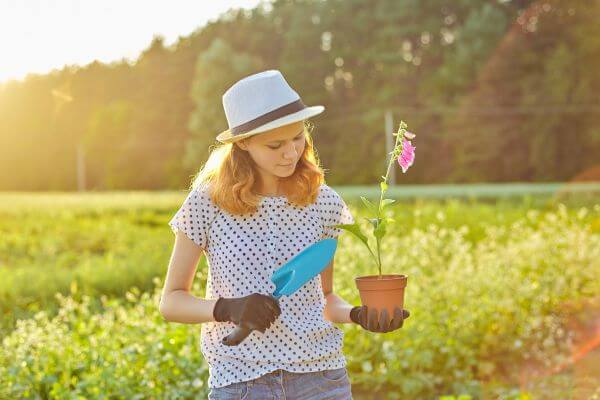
(240,333)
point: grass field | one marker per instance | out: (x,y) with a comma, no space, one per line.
(494,287)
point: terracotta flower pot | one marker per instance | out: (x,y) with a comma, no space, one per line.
(385,291)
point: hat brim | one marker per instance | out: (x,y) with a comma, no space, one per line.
(227,137)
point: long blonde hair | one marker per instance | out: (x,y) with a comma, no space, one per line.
(231,175)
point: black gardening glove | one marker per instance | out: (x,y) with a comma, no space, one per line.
(369,319)
(255,311)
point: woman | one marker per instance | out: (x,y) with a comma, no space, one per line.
(259,200)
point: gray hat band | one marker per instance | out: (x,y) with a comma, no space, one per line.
(282,111)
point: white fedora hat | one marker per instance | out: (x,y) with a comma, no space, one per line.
(261,102)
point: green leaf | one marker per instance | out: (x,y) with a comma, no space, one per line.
(384,186)
(385,202)
(370,206)
(373,221)
(380,230)
(355,230)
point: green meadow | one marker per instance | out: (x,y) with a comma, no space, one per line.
(492,286)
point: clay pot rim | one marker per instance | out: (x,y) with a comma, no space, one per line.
(384,277)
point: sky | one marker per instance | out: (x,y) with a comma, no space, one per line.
(37,36)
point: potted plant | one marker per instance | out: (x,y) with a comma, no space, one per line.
(383,291)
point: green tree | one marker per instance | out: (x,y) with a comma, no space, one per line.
(531,114)
(217,69)
(106,146)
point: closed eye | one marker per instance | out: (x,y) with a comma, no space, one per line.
(275,148)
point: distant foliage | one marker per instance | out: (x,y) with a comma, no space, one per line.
(498,91)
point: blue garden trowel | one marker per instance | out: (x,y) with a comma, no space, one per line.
(291,276)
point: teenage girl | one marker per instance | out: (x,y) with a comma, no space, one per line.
(259,200)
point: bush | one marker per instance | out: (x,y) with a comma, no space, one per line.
(483,298)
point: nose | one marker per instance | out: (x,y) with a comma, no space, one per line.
(291,154)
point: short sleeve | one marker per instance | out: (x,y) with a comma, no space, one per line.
(195,216)
(333,211)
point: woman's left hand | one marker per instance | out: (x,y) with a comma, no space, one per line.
(372,321)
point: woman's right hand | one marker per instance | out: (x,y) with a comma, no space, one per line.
(256,311)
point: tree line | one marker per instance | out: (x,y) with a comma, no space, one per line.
(496,91)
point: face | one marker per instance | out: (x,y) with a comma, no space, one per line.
(276,152)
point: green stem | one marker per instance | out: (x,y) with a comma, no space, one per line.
(393,157)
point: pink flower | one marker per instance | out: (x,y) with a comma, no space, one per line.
(407,157)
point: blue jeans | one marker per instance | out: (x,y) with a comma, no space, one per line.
(331,384)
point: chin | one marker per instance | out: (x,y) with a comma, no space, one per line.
(281,175)
(285,171)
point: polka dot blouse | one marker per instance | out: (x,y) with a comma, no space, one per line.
(242,252)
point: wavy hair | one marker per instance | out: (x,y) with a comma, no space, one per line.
(231,176)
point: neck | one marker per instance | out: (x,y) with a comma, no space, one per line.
(268,184)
